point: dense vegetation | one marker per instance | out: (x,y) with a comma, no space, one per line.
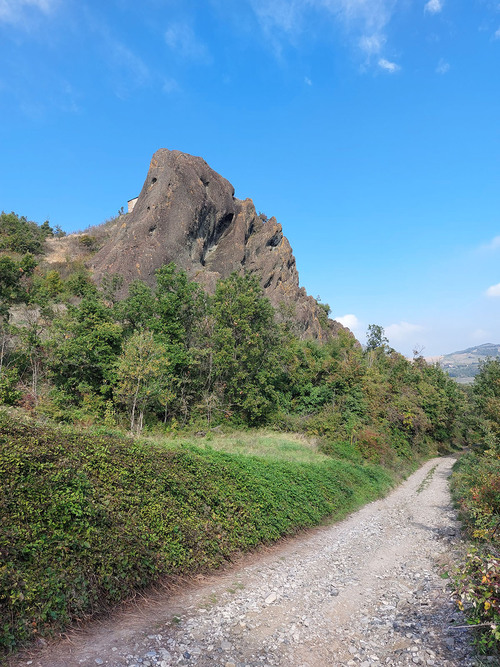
(476,486)
(85,519)
(101,514)
(172,355)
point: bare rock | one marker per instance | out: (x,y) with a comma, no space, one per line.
(187,213)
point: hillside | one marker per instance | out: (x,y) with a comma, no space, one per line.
(463,365)
(89,515)
(86,519)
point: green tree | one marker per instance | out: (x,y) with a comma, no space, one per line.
(173,311)
(85,347)
(143,378)
(20,235)
(246,359)
(486,389)
(376,338)
(15,281)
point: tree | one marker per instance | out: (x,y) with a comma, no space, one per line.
(246,348)
(142,376)
(20,235)
(85,347)
(486,390)
(375,337)
(15,281)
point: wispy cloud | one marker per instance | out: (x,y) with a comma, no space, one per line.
(14,11)
(127,69)
(363,20)
(308,81)
(493,291)
(443,67)
(433,6)
(402,331)
(123,59)
(350,321)
(497,34)
(494,244)
(372,44)
(182,40)
(388,66)
(170,85)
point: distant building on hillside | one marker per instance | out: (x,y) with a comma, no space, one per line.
(131,203)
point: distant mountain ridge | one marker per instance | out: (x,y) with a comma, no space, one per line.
(463,365)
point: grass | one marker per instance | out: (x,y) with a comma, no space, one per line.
(264,444)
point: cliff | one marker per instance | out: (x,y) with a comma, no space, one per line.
(187,213)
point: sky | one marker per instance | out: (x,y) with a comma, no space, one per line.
(369,128)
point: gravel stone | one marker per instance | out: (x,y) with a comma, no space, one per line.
(364,592)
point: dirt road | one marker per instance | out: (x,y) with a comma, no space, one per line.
(366,591)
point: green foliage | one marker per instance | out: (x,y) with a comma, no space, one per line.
(85,519)
(143,378)
(22,236)
(476,489)
(486,391)
(246,351)
(85,348)
(478,594)
(375,337)
(80,283)
(9,394)
(15,281)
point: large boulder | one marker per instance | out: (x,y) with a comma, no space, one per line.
(187,213)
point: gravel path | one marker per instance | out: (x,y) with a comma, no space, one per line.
(364,592)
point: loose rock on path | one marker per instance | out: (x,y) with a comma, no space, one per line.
(364,592)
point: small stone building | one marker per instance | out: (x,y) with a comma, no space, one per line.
(131,203)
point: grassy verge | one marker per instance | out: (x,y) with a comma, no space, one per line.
(476,490)
(84,519)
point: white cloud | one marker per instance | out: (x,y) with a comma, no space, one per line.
(373,44)
(363,20)
(388,66)
(180,37)
(125,60)
(308,81)
(497,34)
(443,67)
(13,11)
(494,290)
(433,6)
(494,244)
(402,331)
(349,321)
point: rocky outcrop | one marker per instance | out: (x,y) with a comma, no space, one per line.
(187,213)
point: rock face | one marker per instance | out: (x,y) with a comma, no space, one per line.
(187,213)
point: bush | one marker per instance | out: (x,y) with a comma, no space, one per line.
(85,519)
(476,488)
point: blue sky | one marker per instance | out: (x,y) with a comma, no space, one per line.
(369,128)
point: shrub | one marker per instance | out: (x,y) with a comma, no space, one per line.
(85,519)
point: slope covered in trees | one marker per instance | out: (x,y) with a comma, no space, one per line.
(173,355)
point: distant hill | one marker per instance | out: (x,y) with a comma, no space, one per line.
(463,366)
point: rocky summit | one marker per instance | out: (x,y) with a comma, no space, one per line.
(187,213)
